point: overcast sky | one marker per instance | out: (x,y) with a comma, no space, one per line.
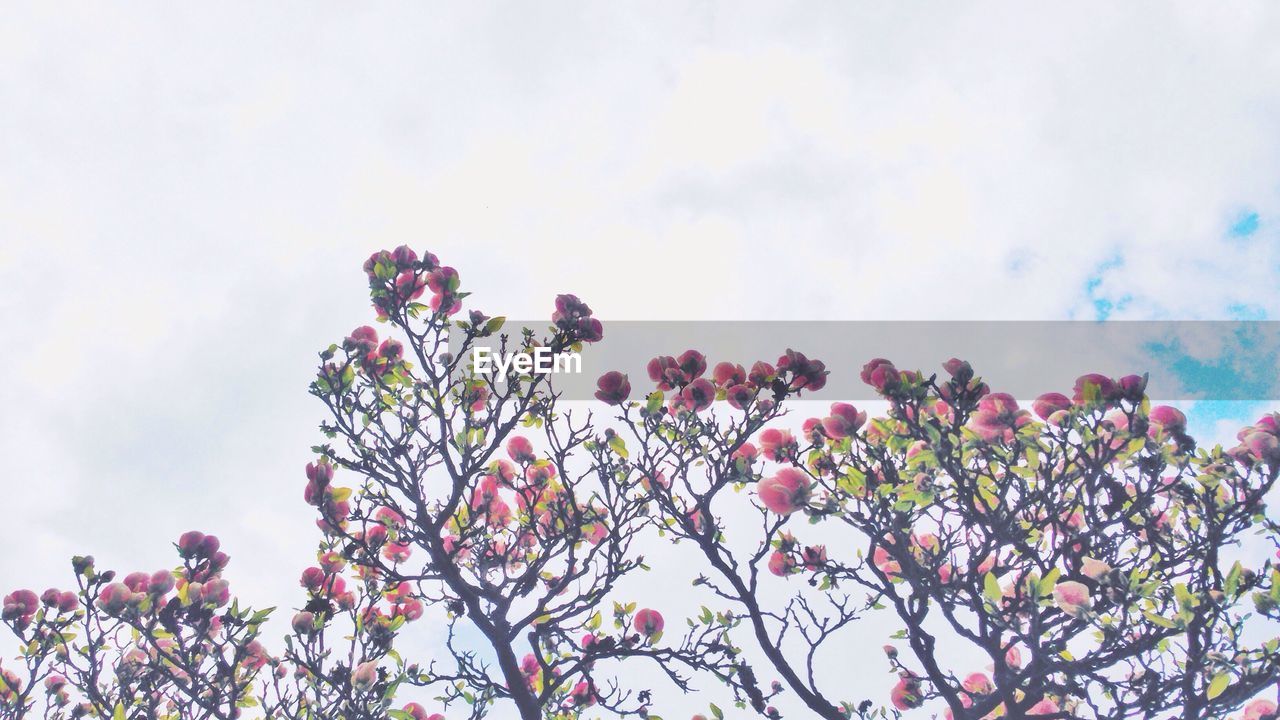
(186,196)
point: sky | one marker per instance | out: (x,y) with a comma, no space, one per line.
(187,193)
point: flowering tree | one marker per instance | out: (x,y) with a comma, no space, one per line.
(166,644)
(459,511)
(1088,561)
(693,454)
(1086,557)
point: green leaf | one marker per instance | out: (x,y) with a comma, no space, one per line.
(654,402)
(1218,685)
(618,446)
(494,325)
(991,589)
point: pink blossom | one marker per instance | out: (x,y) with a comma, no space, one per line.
(727,375)
(520,449)
(648,622)
(844,421)
(1260,710)
(1072,597)
(781,564)
(614,388)
(1049,403)
(880,374)
(997,417)
(1044,707)
(785,492)
(1105,388)
(777,444)
(906,694)
(1094,569)
(978,684)
(1170,419)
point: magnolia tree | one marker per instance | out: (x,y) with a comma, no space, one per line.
(475,499)
(169,643)
(480,541)
(1091,557)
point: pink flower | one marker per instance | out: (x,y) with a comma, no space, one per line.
(814,557)
(195,544)
(978,684)
(583,695)
(1072,597)
(777,444)
(1101,388)
(885,562)
(1094,569)
(781,564)
(160,582)
(692,363)
(574,318)
(906,694)
(740,396)
(20,605)
(648,622)
(615,388)
(361,341)
(1170,419)
(304,623)
(1132,387)
(698,395)
(998,417)
(1263,446)
(115,597)
(806,374)
(844,421)
(1260,710)
(727,375)
(664,371)
(520,449)
(1049,403)
(1044,707)
(785,492)
(365,675)
(959,369)
(880,374)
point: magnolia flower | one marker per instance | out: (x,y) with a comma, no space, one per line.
(1260,710)
(978,684)
(1072,597)
(777,444)
(906,694)
(785,492)
(1170,419)
(520,449)
(1044,707)
(781,564)
(615,388)
(648,622)
(880,374)
(997,417)
(1094,569)
(844,421)
(727,375)
(365,675)
(1049,403)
